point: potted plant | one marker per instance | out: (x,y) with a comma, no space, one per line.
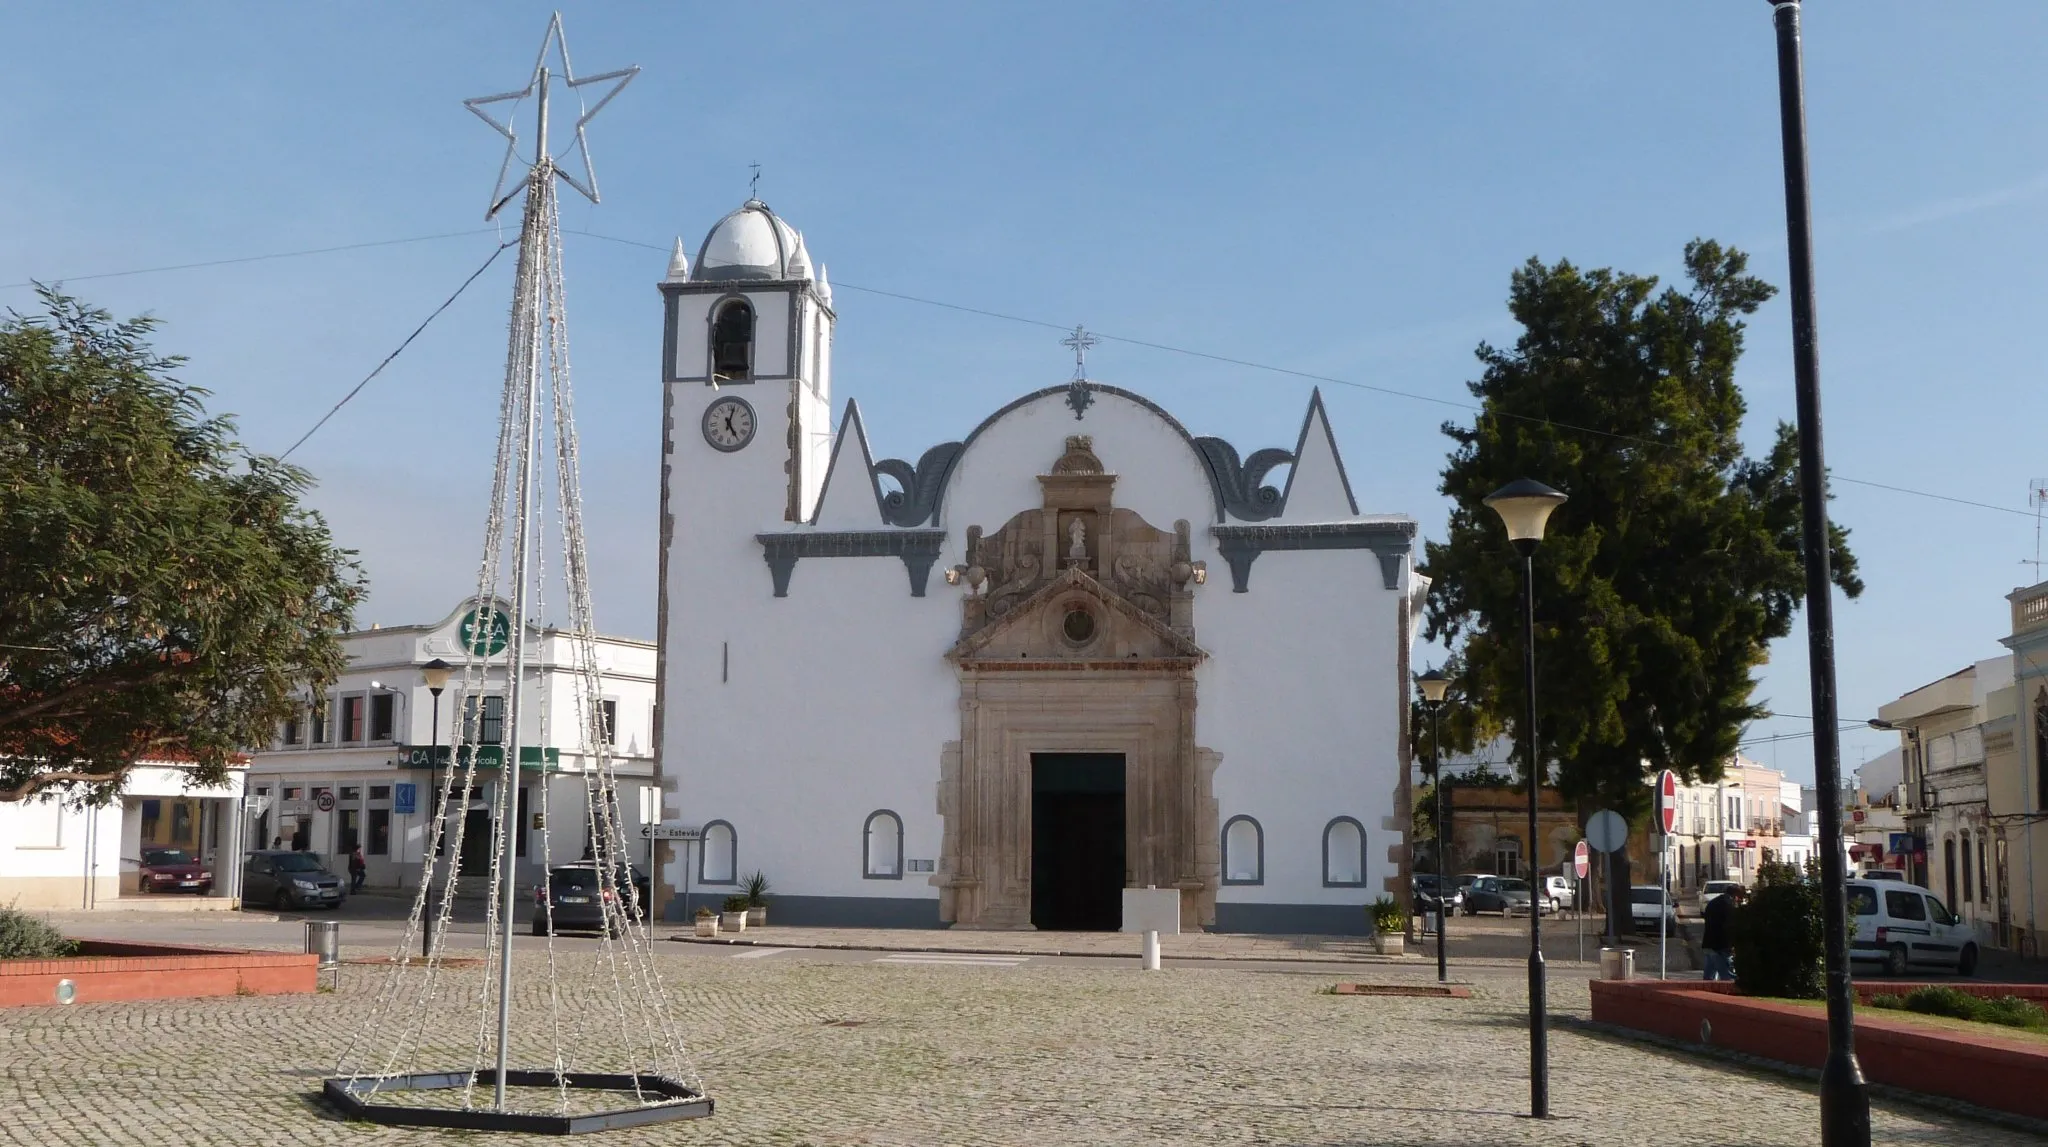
(707,922)
(1389,927)
(734,918)
(757,900)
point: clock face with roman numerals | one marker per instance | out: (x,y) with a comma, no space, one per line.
(729,424)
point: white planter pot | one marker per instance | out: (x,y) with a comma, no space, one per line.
(1389,944)
(707,926)
(733,921)
(757,917)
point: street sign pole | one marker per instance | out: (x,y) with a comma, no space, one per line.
(1666,821)
(1581,865)
(1664,907)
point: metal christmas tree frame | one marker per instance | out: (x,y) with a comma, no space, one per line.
(642,1073)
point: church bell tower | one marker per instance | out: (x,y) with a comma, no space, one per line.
(747,354)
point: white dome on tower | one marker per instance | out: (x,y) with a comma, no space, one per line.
(750,243)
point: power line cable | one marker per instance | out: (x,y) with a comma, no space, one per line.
(358,388)
(1169,348)
(253,258)
(1331,379)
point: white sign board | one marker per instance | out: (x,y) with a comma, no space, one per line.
(671,832)
(1152,910)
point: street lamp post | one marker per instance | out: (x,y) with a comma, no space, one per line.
(1434,685)
(435,674)
(1844,1096)
(1524,506)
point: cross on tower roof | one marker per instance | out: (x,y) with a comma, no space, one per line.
(754,186)
(1080,341)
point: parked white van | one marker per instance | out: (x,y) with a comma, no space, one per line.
(1904,927)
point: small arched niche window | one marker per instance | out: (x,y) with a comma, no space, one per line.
(719,860)
(732,341)
(1244,851)
(882,846)
(1343,853)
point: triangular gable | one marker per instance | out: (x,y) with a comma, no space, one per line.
(851,499)
(1018,627)
(1317,488)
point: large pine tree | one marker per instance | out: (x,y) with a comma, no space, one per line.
(1661,583)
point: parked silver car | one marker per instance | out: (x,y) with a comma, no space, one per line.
(1506,895)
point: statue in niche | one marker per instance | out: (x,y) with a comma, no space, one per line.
(1077,541)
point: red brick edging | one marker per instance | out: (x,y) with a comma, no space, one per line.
(1989,1071)
(108,970)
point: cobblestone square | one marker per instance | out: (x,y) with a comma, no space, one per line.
(798,1049)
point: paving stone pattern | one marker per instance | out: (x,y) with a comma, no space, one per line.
(803,1052)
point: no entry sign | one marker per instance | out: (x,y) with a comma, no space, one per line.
(1582,859)
(1667,801)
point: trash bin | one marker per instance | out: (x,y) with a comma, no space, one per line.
(1617,963)
(323,939)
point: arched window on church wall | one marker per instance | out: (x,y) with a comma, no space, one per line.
(882,846)
(1244,851)
(732,341)
(1343,853)
(719,862)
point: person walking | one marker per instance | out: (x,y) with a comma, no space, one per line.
(358,869)
(1717,943)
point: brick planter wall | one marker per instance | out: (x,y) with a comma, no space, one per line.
(106,970)
(1998,1073)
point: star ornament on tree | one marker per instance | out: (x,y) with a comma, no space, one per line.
(539,81)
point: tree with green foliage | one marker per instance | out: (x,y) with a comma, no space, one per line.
(1777,934)
(163,593)
(1662,582)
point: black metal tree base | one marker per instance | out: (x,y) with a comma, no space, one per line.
(351,1097)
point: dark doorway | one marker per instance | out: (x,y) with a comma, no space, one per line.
(1077,841)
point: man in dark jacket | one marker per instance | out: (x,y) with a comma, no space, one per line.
(1717,945)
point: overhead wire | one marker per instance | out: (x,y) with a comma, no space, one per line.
(400,349)
(1169,348)
(1251,364)
(248,259)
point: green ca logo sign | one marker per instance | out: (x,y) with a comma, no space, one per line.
(480,640)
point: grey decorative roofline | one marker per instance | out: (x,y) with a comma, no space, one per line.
(1238,485)
(919,549)
(918,501)
(1241,545)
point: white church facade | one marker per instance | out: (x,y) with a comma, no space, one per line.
(1077,650)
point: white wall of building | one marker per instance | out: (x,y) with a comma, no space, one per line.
(58,854)
(794,718)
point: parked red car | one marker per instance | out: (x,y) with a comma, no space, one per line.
(173,870)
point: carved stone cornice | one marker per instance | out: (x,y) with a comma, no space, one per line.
(919,549)
(918,500)
(1241,545)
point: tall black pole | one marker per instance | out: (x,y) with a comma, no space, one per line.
(1844,1097)
(1443,879)
(1539,1051)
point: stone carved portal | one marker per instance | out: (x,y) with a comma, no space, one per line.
(1076,637)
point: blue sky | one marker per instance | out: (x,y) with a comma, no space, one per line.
(1341,189)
